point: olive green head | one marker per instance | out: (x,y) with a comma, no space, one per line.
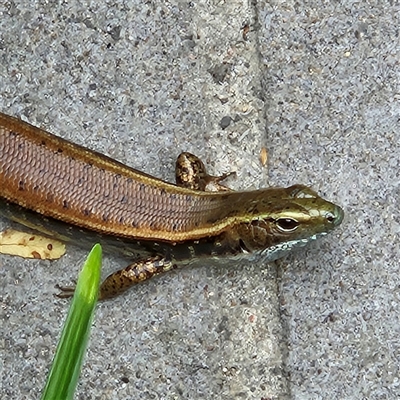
(287,217)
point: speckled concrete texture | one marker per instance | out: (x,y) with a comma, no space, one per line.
(315,82)
(141,82)
(332,80)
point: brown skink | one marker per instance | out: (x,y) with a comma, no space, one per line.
(67,182)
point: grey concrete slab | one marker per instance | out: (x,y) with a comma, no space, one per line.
(142,81)
(332,87)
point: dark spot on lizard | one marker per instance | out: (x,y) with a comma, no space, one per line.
(50,197)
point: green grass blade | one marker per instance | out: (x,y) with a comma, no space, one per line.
(64,373)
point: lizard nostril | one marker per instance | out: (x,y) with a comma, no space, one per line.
(330,217)
(335,217)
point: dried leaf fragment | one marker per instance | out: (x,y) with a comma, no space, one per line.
(30,245)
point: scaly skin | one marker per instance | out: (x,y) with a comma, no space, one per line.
(69,183)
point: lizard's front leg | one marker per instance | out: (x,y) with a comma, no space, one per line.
(190,172)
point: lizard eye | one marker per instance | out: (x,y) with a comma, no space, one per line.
(287,224)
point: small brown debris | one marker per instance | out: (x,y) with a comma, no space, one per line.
(263,156)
